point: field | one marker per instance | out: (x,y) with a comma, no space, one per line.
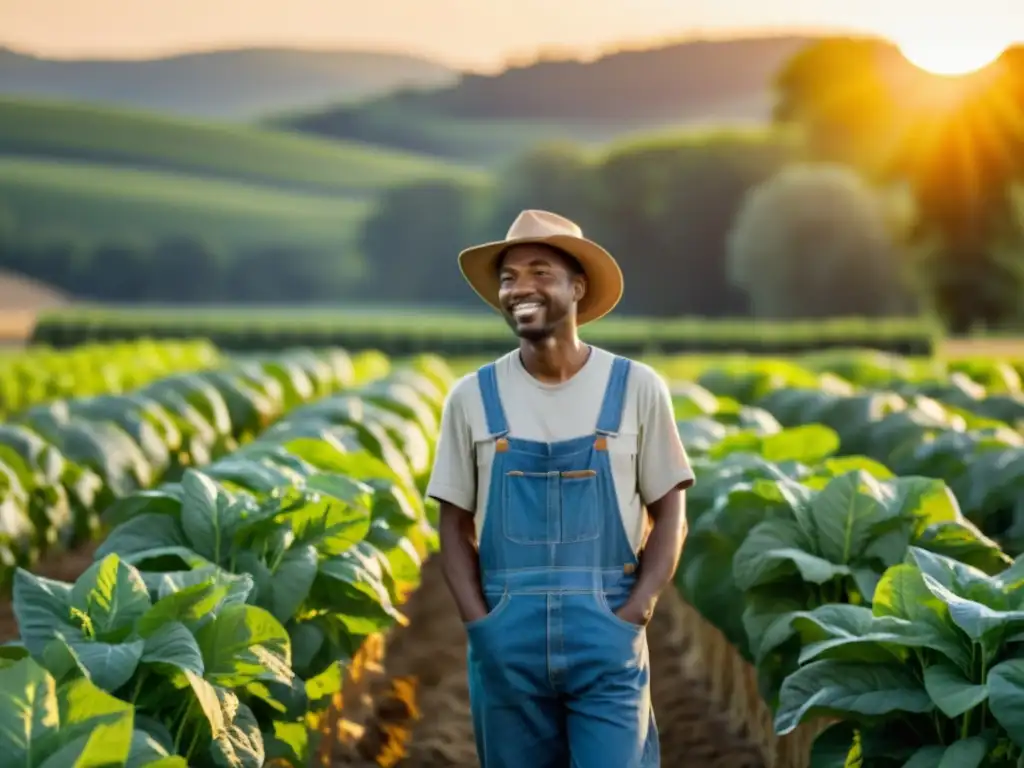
(103,172)
(106,201)
(255,580)
(412,329)
(208,149)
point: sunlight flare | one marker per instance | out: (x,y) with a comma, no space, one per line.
(951,54)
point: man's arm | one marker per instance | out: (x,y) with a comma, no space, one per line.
(453,484)
(660,556)
(664,474)
(460,562)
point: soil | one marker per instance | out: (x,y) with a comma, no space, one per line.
(421,713)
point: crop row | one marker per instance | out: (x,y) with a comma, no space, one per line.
(37,375)
(215,622)
(461,334)
(828,545)
(63,462)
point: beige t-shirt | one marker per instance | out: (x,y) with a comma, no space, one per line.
(647,456)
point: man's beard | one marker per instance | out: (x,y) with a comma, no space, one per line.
(545,331)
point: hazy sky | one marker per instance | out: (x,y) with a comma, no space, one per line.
(475,33)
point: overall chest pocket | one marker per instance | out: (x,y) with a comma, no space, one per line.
(551,507)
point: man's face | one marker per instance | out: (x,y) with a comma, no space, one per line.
(538,290)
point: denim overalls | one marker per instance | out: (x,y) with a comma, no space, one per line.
(555,678)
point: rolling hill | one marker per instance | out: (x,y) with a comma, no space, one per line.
(103,173)
(123,137)
(98,201)
(227,84)
(486,118)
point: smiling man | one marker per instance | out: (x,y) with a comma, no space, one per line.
(551,463)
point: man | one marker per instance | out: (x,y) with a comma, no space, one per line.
(546,460)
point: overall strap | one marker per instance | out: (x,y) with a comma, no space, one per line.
(610,418)
(496,423)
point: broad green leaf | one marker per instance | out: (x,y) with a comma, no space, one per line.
(293,577)
(147,752)
(245,643)
(776,549)
(240,744)
(162,501)
(98,724)
(28,711)
(835,688)
(844,514)
(113,595)
(142,533)
(809,443)
(332,527)
(965,753)
(1006,697)
(188,605)
(110,665)
(903,594)
(347,490)
(239,585)
(767,618)
(851,632)
(209,516)
(208,701)
(953,693)
(42,607)
(962,541)
(357,594)
(61,660)
(173,645)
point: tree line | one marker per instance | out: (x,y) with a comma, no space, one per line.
(703,224)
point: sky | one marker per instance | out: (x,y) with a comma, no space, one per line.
(476,34)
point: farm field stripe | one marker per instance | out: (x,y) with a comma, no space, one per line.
(243,587)
(828,546)
(66,461)
(36,375)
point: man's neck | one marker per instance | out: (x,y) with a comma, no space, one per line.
(554,360)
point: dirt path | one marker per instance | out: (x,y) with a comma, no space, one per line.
(422,713)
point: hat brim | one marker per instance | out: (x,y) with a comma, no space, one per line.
(604,278)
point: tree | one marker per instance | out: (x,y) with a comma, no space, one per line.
(813,241)
(554,176)
(664,207)
(412,239)
(954,143)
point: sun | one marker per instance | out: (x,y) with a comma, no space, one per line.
(950,55)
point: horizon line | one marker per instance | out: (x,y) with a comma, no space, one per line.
(535,54)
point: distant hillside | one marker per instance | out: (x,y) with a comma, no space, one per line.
(488,117)
(122,137)
(231,84)
(104,173)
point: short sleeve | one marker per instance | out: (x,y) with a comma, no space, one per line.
(453,478)
(663,462)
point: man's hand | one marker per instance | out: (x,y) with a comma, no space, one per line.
(460,561)
(634,613)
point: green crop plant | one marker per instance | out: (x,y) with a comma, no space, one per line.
(222,607)
(63,462)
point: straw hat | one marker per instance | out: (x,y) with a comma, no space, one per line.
(604,278)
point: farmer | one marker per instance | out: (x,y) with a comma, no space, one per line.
(546,461)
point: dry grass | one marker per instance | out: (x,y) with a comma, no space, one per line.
(16,325)
(1008,348)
